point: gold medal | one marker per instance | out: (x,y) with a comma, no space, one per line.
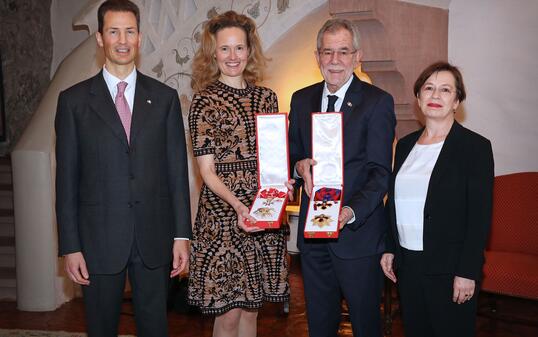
(265,212)
(322,220)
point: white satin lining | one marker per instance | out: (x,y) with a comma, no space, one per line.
(272,149)
(327,149)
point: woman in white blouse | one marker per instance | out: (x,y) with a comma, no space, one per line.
(440,212)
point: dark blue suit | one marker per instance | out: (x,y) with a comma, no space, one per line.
(348,266)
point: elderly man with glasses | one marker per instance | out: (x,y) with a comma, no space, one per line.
(346,267)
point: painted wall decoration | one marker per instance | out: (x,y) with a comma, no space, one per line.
(173,31)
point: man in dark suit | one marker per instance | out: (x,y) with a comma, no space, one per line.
(122,196)
(347,267)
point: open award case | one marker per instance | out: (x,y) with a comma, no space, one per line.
(273,169)
(327,176)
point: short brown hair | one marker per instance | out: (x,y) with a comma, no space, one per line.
(204,65)
(435,68)
(116,6)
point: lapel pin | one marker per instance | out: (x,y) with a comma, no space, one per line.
(148,101)
(349,104)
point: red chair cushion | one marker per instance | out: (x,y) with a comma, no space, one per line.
(511,274)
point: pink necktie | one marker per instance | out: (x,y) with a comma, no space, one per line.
(123,109)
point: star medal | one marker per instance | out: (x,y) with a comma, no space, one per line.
(264,212)
(322,220)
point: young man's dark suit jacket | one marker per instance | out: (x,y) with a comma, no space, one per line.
(112,196)
(111,193)
(369,121)
(457,212)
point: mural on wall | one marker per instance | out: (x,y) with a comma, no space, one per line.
(173,33)
(258,10)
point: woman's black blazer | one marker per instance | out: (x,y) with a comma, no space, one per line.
(457,212)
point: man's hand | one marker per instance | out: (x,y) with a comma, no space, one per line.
(387,261)
(75,266)
(463,289)
(345,215)
(180,263)
(303,169)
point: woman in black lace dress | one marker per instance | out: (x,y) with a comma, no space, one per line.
(233,267)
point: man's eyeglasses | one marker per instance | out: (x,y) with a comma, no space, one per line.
(342,53)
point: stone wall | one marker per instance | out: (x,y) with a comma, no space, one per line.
(26,50)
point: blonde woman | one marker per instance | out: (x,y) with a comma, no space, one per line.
(234,267)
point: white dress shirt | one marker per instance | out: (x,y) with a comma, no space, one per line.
(112,85)
(340,93)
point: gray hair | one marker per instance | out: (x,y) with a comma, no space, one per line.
(334,25)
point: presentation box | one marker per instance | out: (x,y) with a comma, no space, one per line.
(269,205)
(327,176)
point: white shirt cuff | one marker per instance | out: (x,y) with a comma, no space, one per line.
(181,239)
(295,174)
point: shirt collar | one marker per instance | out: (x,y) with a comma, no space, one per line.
(341,93)
(112,81)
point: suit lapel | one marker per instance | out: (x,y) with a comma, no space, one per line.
(351,99)
(102,104)
(444,161)
(316,98)
(141,107)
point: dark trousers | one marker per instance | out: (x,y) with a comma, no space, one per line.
(103,299)
(328,278)
(426,302)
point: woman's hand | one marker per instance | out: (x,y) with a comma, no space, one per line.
(245,220)
(387,261)
(289,186)
(463,289)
